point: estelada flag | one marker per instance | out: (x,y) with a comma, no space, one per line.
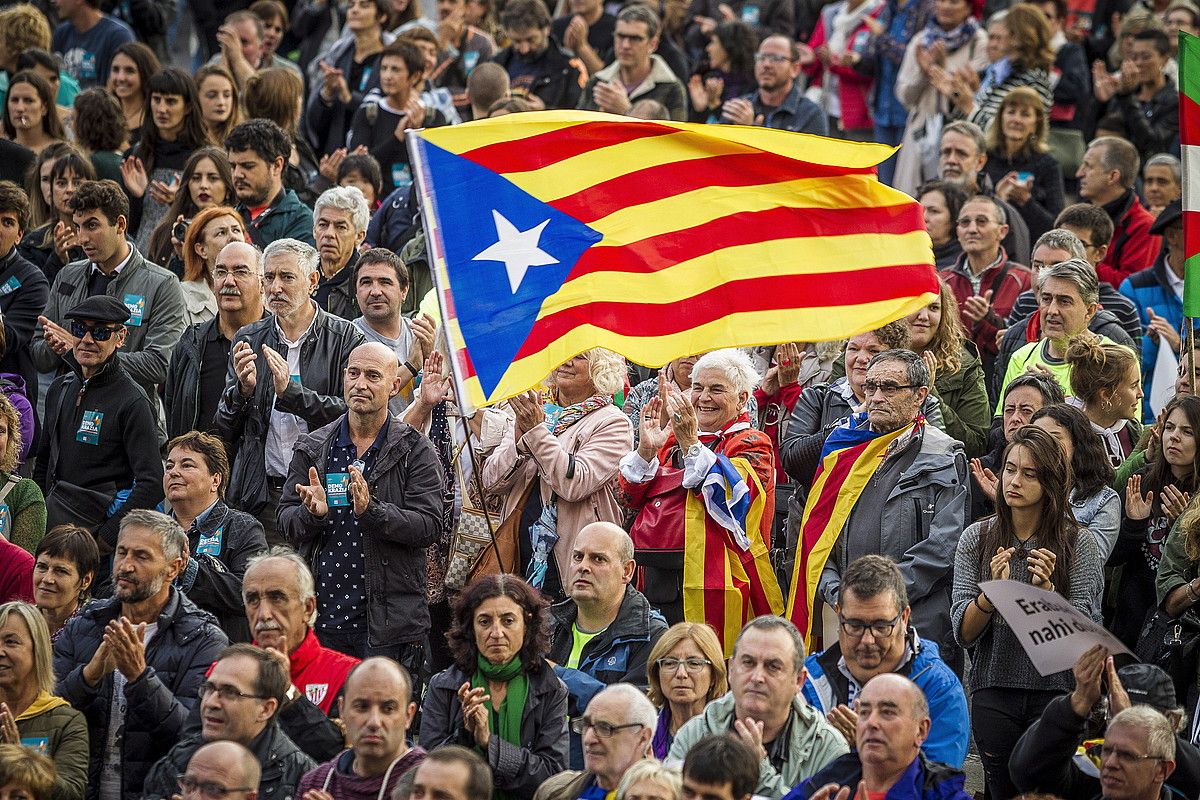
(837,485)
(550,233)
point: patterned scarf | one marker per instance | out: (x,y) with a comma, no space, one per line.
(559,418)
(953,39)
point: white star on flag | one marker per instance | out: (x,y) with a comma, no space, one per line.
(517,250)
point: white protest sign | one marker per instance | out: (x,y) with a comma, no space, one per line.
(1053,632)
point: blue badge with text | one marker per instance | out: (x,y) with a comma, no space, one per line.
(10,285)
(89,427)
(137,308)
(210,545)
(337,489)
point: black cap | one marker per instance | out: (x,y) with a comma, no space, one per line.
(1169,216)
(100,308)
(1148,685)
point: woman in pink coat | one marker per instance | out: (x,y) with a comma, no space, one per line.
(563,446)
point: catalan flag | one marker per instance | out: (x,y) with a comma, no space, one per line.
(727,574)
(554,232)
(837,485)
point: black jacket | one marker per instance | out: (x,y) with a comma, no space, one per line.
(1046,192)
(340,296)
(283,765)
(403,518)
(187,642)
(181,392)
(221,546)
(1152,126)
(24,292)
(518,770)
(560,76)
(243,421)
(1043,760)
(126,455)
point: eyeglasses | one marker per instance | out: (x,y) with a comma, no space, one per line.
(239,274)
(889,389)
(213,791)
(225,692)
(1104,752)
(879,629)
(771,58)
(100,333)
(603,729)
(694,666)
(625,37)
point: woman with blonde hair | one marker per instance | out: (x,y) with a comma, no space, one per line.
(936,334)
(556,463)
(29,710)
(1106,382)
(686,672)
(22,507)
(1020,164)
(650,780)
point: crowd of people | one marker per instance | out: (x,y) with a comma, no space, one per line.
(252,546)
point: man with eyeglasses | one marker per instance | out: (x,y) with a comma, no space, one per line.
(638,72)
(914,507)
(604,632)
(779,101)
(985,281)
(98,458)
(133,664)
(113,268)
(239,701)
(221,770)
(616,730)
(892,721)
(200,362)
(1045,760)
(875,638)
(766,710)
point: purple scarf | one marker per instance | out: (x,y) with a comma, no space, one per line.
(661,743)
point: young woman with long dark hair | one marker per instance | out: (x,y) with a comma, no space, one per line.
(207,181)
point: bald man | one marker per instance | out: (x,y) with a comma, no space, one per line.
(893,722)
(377,710)
(223,764)
(362,501)
(199,363)
(604,632)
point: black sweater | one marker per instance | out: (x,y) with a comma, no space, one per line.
(126,455)
(375,126)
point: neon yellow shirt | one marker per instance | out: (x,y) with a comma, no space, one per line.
(579,640)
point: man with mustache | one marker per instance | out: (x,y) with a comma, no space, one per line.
(285,379)
(239,702)
(362,501)
(221,541)
(133,664)
(98,458)
(196,375)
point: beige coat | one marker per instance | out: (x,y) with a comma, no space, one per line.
(579,468)
(925,103)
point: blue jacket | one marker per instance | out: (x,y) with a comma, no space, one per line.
(923,780)
(949,735)
(1151,288)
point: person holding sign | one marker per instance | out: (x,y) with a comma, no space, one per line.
(1034,539)
(362,501)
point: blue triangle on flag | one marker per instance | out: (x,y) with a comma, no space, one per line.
(506,252)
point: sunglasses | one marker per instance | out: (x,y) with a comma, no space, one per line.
(100,333)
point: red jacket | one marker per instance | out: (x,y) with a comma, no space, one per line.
(1017,278)
(1132,248)
(320,672)
(854,88)
(16,573)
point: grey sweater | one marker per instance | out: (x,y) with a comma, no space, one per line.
(997,658)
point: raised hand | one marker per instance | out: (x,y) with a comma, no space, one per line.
(133,175)
(1137,505)
(976,307)
(313,496)
(1088,669)
(653,433)
(683,417)
(1174,501)
(987,480)
(530,412)
(245,366)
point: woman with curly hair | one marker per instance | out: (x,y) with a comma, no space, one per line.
(501,692)
(100,130)
(936,334)
(726,70)
(22,507)
(1019,43)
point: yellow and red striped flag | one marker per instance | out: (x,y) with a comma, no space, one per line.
(554,232)
(837,485)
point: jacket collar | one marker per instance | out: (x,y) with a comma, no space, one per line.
(632,620)
(659,73)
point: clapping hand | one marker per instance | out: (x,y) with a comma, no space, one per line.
(435,385)
(1137,505)
(654,432)
(278,366)
(845,719)
(133,175)
(1161,329)
(475,714)
(126,642)
(8,726)
(977,307)
(683,417)
(313,496)
(530,412)
(1000,564)
(360,491)
(1174,501)
(987,480)
(1041,568)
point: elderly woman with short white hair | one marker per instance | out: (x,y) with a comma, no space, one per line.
(689,446)
(556,464)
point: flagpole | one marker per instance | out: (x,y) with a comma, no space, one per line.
(1189,135)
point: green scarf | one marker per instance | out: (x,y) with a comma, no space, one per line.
(505,722)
